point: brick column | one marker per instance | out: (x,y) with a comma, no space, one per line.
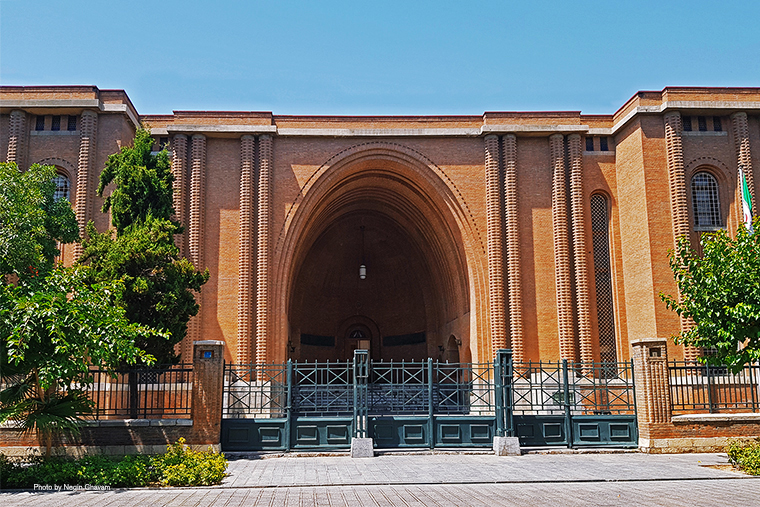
(650,367)
(208,383)
(179,170)
(245,252)
(743,154)
(579,248)
(195,237)
(512,226)
(264,192)
(679,211)
(562,250)
(87,139)
(17,139)
(495,237)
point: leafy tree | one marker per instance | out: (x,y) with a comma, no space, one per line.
(32,221)
(720,292)
(53,329)
(158,283)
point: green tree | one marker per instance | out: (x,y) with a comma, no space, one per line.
(53,329)
(720,292)
(158,283)
(32,221)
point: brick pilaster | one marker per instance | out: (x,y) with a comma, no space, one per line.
(245,252)
(87,138)
(179,170)
(195,236)
(579,248)
(679,211)
(495,238)
(560,225)
(264,193)
(208,384)
(650,366)
(18,132)
(743,153)
(512,226)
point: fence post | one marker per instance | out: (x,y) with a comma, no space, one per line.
(566,403)
(208,388)
(709,389)
(652,388)
(361,444)
(431,426)
(505,443)
(289,404)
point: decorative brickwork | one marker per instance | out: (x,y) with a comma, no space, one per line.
(743,153)
(245,252)
(650,362)
(87,141)
(579,248)
(196,228)
(679,211)
(263,251)
(565,330)
(512,226)
(495,235)
(16,139)
(179,169)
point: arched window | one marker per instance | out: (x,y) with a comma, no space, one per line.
(600,233)
(705,201)
(62,187)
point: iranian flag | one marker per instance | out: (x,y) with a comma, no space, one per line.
(746,200)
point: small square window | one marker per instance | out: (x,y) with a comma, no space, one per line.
(702,121)
(717,126)
(56,125)
(603,146)
(72,125)
(687,123)
(589,144)
(40,123)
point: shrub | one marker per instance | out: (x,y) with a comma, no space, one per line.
(745,454)
(182,466)
(179,466)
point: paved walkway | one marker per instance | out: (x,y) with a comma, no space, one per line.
(567,480)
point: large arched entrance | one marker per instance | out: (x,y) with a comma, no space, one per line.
(413,292)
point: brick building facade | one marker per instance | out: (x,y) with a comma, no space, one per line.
(420,236)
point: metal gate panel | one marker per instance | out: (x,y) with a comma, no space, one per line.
(541,430)
(400,431)
(601,430)
(321,432)
(254,434)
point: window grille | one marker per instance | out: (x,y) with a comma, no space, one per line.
(72,125)
(705,202)
(687,123)
(717,125)
(62,187)
(600,223)
(702,122)
(40,123)
(589,144)
(56,125)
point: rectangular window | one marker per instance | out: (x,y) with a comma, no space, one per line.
(717,126)
(687,123)
(40,123)
(702,121)
(72,123)
(163,143)
(589,144)
(603,146)
(56,123)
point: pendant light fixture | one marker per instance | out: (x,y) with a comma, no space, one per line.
(362,267)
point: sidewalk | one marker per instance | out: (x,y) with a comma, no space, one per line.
(446,479)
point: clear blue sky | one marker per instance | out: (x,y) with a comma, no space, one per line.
(380,57)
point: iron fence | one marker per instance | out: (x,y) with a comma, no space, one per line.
(697,387)
(255,391)
(150,393)
(568,388)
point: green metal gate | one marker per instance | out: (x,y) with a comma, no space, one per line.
(428,404)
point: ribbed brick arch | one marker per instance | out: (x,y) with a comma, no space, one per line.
(397,186)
